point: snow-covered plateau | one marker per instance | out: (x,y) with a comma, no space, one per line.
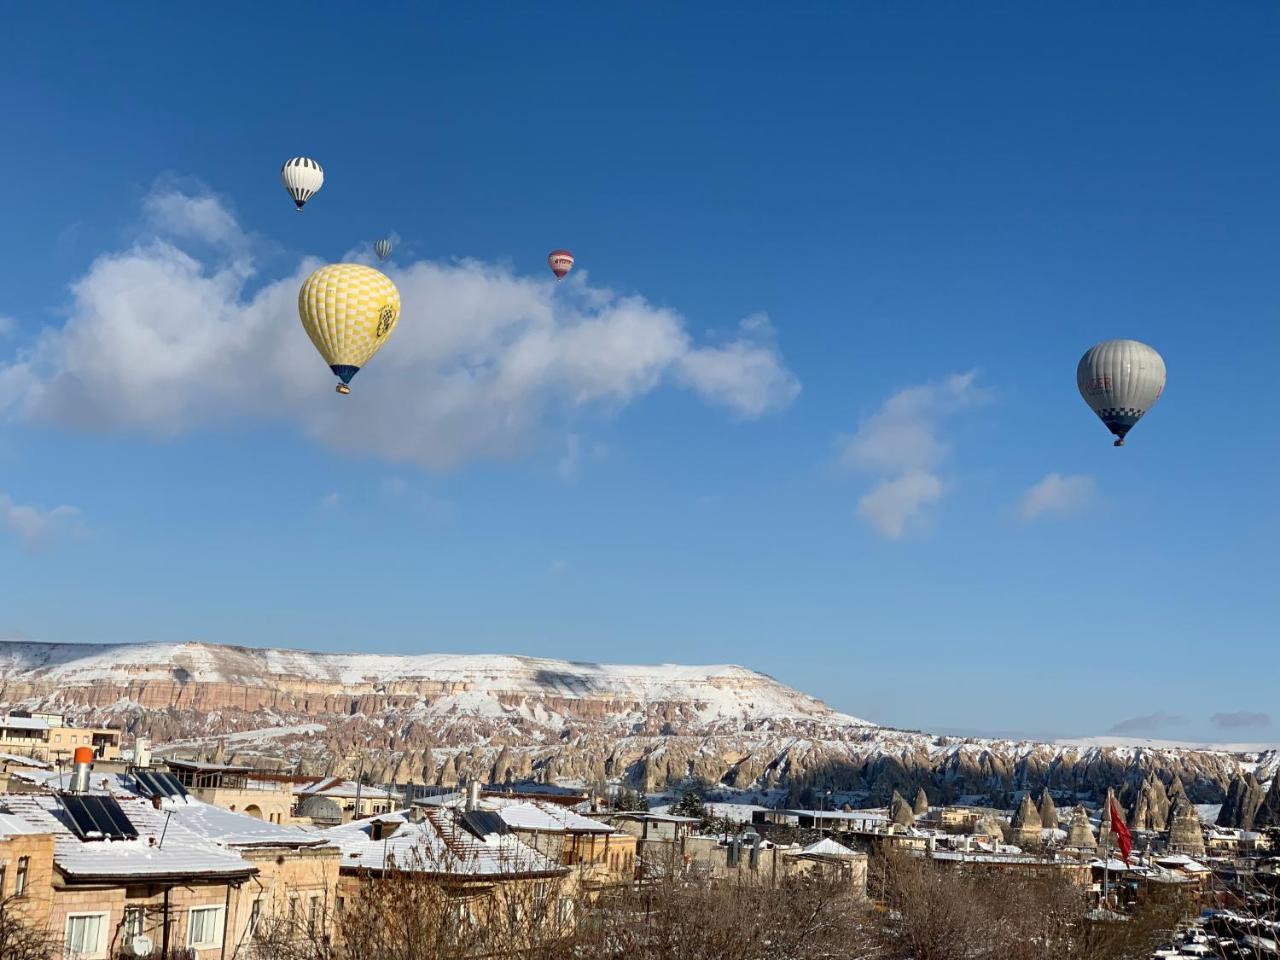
(440,716)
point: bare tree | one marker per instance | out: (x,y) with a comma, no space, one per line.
(21,938)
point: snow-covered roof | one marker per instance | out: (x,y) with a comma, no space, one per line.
(542,817)
(25,723)
(879,814)
(202,766)
(966,857)
(344,789)
(826,847)
(23,761)
(654,817)
(437,844)
(184,853)
(1182,862)
(237,830)
(12,825)
(1111,863)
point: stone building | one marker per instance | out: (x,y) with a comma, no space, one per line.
(164,882)
(235,788)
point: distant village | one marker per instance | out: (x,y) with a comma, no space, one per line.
(130,851)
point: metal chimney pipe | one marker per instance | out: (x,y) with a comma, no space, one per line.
(83,763)
(473,795)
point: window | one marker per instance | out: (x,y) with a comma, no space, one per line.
(313,922)
(135,921)
(204,927)
(74,738)
(4,867)
(20,878)
(86,935)
(255,914)
(342,904)
(564,911)
(57,738)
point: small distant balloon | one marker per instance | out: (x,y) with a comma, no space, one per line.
(348,311)
(561,262)
(302,178)
(383,248)
(1120,380)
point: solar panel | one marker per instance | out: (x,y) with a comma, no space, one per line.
(483,822)
(98,818)
(156,784)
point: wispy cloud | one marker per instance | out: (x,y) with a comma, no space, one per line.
(1240,719)
(1057,494)
(483,362)
(1148,723)
(330,501)
(902,442)
(894,504)
(36,528)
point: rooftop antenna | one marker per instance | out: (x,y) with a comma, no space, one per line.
(167,815)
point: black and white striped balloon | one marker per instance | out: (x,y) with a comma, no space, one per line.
(302,178)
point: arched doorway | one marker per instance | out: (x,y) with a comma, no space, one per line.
(253,810)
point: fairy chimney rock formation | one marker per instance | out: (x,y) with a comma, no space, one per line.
(1080,832)
(1048,812)
(1185,834)
(1268,814)
(922,803)
(900,811)
(1026,823)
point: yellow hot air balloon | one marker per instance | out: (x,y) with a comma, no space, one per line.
(348,311)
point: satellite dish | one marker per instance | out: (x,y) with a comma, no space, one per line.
(142,945)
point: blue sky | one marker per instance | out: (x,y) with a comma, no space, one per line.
(807,404)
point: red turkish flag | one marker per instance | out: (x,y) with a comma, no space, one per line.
(1123,840)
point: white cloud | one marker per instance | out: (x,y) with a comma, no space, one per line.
(36,528)
(1056,494)
(902,443)
(571,459)
(7,326)
(330,501)
(161,339)
(895,504)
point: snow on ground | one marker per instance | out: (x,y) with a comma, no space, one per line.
(1155,744)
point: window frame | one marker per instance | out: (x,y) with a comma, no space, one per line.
(255,917)
(218,912)
(129,913)
(104,925)
(20,876)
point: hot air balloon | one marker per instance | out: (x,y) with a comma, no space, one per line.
(561,262)
(303,178)
(383,248)
(348,311)
(1120,380)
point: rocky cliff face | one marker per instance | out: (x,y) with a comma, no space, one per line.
(439,718)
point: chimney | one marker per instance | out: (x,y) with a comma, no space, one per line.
(142,752)
(83,763)
(473,795)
